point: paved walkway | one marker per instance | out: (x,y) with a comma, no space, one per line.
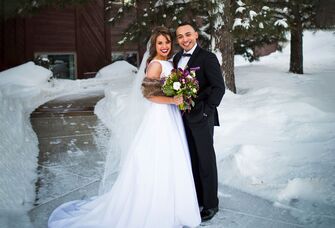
(70,164)
(70,161)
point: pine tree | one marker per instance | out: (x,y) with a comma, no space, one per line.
(300,15)
(242,25)
(13,8)
(222,25)
(256,24)
(154,13)
(224,39)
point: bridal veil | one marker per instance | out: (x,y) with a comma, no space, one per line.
(126,119)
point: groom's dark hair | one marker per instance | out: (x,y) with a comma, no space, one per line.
(186,23)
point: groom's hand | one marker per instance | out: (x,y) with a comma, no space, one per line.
(208,110)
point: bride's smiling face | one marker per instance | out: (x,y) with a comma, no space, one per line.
(163,47)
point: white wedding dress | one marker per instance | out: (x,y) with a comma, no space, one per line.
(155,187)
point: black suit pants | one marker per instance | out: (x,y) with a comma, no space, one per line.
(200,141)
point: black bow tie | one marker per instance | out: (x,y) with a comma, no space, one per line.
(186,55)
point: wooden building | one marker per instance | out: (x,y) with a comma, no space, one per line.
(76,40)
(325,16)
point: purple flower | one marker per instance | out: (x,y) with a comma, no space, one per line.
(182,82)
(195,68)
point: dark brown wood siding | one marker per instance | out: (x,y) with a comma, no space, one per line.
(54,30)
(93,37)
(12,43)
(325,16)
(81,30)
(2,54)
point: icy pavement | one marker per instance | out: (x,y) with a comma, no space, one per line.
(70,159)
(71,162)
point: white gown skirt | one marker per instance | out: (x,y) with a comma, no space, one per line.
(155,186)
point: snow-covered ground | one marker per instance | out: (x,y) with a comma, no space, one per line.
(276,140)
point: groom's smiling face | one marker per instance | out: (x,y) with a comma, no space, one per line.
(186,37)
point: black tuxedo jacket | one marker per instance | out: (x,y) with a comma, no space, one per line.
(211,85)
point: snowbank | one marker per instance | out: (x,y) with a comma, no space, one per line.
(118,69)
(19,94)
(22,90)
(277,139)
(13,219)
(311,189)
(27,74)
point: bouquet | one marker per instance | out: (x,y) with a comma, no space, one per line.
(184,83)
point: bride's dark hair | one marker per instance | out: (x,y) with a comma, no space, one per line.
(161,30)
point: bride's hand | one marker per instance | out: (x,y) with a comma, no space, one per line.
(177,100)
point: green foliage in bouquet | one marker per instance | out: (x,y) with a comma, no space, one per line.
(182,83)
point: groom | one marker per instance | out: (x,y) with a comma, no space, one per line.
(199,123)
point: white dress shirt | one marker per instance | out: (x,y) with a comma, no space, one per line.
(184,59)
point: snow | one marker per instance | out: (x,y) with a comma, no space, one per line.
(240,3)
(237,22)
(260,25)
(311,189)
(240,9)
(14,219)
(281,22)
(276,140)
(22,90)
(27,74)
(160,3)
(118,69)
(252,14)
(265,8)
(245,23)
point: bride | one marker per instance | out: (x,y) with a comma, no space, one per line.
(155,186)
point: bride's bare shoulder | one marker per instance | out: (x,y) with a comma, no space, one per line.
(154,69)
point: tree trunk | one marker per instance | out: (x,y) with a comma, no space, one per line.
(296,59)
(226,46)
(141,45)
